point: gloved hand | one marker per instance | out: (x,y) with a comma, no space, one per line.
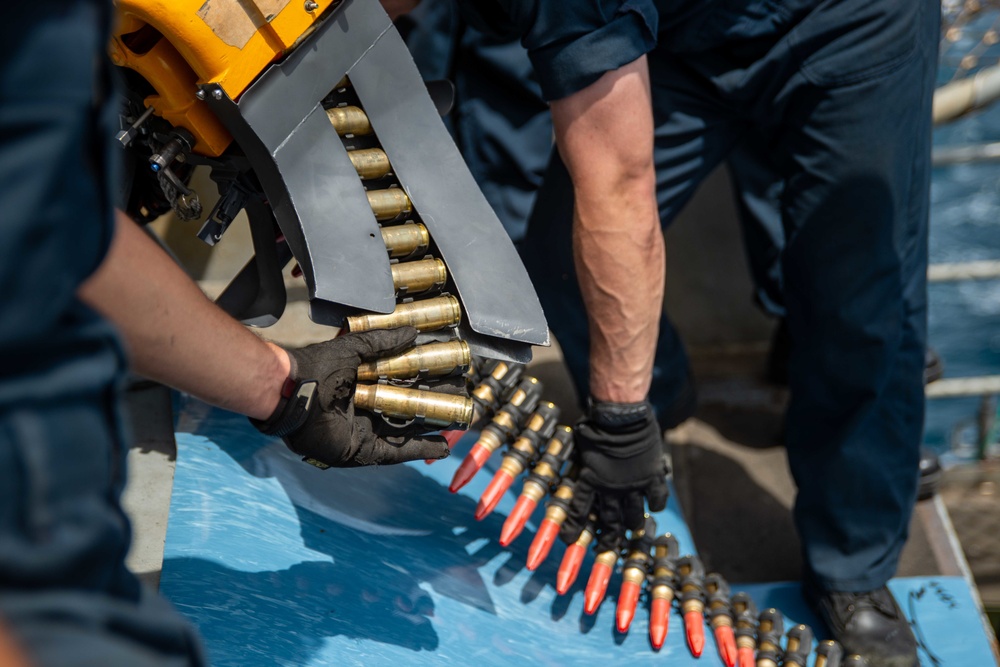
(318,420)
(619,451)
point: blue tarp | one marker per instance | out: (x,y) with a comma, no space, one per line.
(279,563)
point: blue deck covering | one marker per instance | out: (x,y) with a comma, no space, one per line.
(279,563)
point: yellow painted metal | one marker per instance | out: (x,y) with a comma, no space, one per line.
(187,43)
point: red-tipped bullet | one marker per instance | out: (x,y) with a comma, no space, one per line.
(570,567)
(661,588)
(694,627)
(494,492)
(542,544)
(519,516)
(597,585)
(726,641)
(746,628)
(634,572)
(628,598)
(659,622)
(473,461)
(573,558)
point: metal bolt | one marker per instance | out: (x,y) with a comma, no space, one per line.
(217,94)
(200,94)
(311,5)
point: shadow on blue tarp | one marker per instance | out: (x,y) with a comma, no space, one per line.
(279,563)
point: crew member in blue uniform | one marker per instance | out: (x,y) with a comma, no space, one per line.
(647,98)
(81,286)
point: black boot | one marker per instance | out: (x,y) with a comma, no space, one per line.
(870,624)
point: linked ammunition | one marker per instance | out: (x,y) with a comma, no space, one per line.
(421,276)
(431,360)
(637,566)
(542,477)
(770,626)
(746,628)
(597,585)
(691,576)
(401,403)
(370,163)
(506,424)
(798,646)
(349,120)
(573,558)
(426,315)
(829,654)
(556,511)
(662,587)
(406,240)
(389,204)
(498,382)
(720,616)
(519,456)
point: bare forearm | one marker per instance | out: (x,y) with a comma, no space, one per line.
(605,136)
(175,335)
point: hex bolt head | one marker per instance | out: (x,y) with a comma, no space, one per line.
(217,94)
(311,5)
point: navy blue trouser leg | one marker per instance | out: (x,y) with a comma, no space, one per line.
(856,205)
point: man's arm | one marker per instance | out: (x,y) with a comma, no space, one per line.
(605,136)
(175,335)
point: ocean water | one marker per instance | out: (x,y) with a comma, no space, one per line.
(964,317)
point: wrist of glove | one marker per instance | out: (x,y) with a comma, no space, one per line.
(316,416)
(622,467)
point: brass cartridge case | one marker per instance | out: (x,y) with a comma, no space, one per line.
(426,315)
(608,558)
(389,204)
(370,163)
(401,403)
(586,537)
(424,360)
(490,439)
(533,490)
(420,276)
(349,120)
(485,392)
(406,240)
(555,512)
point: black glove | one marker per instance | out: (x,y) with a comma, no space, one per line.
(317,418)
(619,452)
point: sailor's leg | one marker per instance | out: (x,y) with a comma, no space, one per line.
(856,207)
